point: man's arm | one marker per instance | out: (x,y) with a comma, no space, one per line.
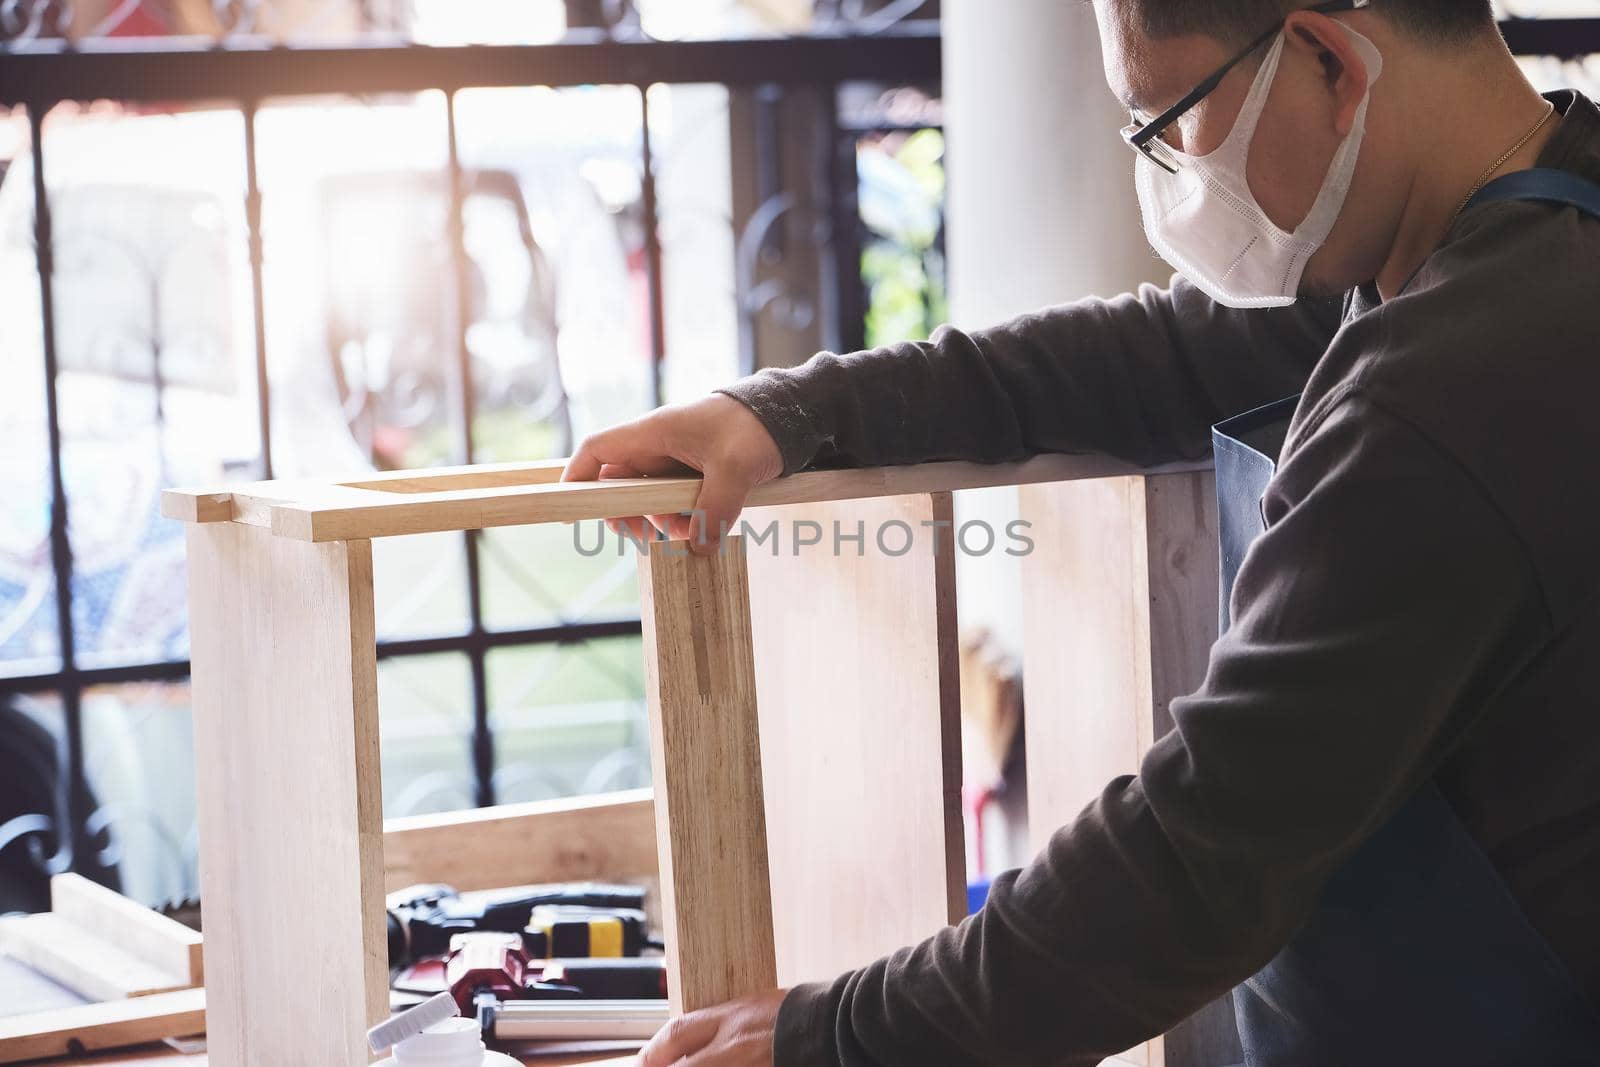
(1374,621)
(1141,377)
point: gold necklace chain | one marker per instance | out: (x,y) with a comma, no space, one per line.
(1481,182)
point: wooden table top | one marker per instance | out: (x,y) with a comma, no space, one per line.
(162,1056)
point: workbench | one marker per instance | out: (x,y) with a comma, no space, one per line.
(161,1056)
(805,741)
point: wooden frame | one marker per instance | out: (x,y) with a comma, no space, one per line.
(846,820)
(1136,561)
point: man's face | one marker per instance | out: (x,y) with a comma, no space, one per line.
(1294,143)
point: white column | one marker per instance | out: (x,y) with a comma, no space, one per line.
(1041,206)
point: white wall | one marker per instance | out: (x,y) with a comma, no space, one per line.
(1041,204)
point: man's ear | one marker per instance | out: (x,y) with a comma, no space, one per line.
(1344,69)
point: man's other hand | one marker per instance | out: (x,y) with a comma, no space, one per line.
(716,437)
(735,1034)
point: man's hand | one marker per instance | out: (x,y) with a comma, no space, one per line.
(717,437)
(735,1034)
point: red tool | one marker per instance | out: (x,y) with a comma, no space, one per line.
(485,963)
(488,967)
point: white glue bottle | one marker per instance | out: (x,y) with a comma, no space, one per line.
(433,1034)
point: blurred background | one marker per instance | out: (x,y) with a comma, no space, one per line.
(319,237)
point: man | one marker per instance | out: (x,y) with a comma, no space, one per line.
(1419,620)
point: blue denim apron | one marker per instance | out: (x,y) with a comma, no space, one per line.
(1416,953)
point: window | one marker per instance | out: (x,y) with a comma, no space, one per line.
(273,274)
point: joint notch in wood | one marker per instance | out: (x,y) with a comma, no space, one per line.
(197,505)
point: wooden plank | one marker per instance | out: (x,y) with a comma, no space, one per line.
(1119,614)
(161,1056)
(511,495)
(609,836)
(1083,652)
(481,476)
(481,508)
(217,504)
(1181,558)
(252,503)
(114,1024)
(1183,567)
(858,687)
(287,782)
(706,755)
(1084,665)
(164,943)
(256,507)
(89,965)
(197,505)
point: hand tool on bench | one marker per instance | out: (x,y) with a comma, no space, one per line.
(517,1021)
(513,997)
(500,963)
(423,918)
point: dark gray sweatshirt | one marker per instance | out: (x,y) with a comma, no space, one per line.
(1425,604)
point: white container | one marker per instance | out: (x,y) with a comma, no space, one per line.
(433,1034)
(453,1043)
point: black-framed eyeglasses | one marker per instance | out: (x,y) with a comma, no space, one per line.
(1145,136)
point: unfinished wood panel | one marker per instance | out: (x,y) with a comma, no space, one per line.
(164,943)
(287,782)
(857,679)
(1184,576)
(1085,672)
(114,1024)
(511,495)
(1119,614)
(478,476)
(1183,567)
(610,836)
(1115,621)
(89,965)
(197,505)
(706,755)
(162,1056)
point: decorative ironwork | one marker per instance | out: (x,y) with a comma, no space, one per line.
(26,20)
(32,831)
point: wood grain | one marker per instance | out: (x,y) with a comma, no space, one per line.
(1181,558)
(161,1056)
(114,1024)
(706,754)
(287,782)
(197,505)
(1119,615)
(511,495)
(610,836)
(164,943)
(91,966)
(859,694)
(1084,667)
(1183,566)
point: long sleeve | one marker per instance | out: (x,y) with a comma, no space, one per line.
(1376,620)
(1141,377)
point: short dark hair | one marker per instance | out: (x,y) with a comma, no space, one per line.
(1441,21)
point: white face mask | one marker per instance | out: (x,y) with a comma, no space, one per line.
(1206,223)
